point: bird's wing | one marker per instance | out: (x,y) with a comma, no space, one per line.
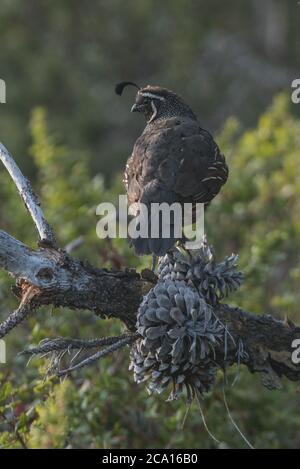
(184,158)
(181,156)
(202,170)
(131,180)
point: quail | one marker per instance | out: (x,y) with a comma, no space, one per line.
(173,160)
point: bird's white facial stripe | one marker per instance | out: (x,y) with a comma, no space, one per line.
(154,112)
(153,96)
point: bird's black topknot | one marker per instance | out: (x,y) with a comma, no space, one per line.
(120,86)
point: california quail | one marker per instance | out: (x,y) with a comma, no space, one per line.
(174,159)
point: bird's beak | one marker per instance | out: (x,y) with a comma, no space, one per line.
(135,108)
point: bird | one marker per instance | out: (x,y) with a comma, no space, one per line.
(174,160)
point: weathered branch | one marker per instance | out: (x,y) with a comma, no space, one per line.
(267,344)
(61,343)
(50,276)
(14,319)
(28,196)
(61,280)
(100,354)
(27,306)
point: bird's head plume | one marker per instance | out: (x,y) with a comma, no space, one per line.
(156,102)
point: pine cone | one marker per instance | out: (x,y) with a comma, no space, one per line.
(179,332)
(174,266)
(213,280)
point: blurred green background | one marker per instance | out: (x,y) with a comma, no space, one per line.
(233,62)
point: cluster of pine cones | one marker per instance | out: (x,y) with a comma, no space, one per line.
(177,324)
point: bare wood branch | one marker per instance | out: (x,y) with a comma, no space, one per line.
(62,343)
(61,280)
(73,245)
(64,281)
(267,344)
(28,196)
(98,355)
(14,319)
(26,307)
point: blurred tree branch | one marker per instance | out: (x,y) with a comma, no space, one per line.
(48,275)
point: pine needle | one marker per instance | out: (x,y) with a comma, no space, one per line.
(204,421)
(233,422)
(188,408)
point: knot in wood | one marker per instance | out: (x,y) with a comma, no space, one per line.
(45,273)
